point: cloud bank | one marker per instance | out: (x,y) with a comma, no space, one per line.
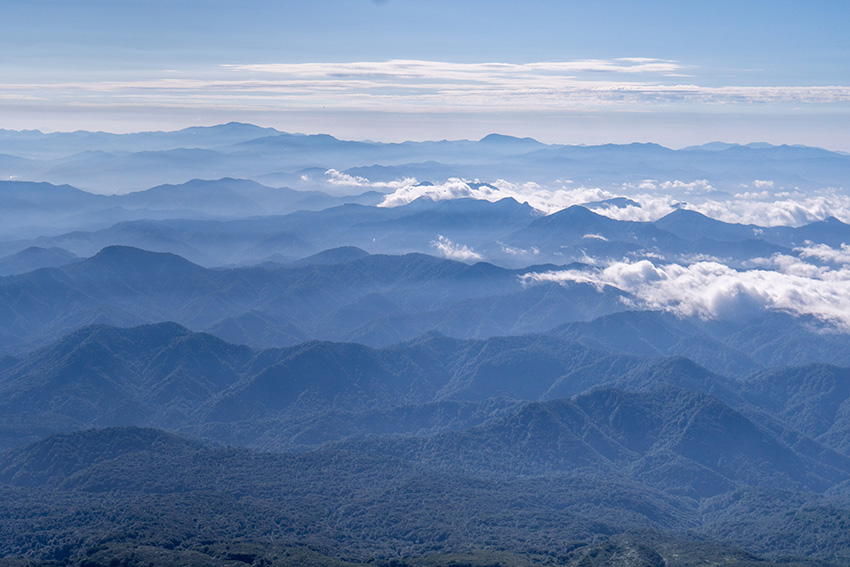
(545,200)
(653,199)
(711,290)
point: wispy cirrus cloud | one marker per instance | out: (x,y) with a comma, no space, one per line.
(403,68)
(426,86)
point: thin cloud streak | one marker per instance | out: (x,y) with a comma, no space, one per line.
(400,68)
(335,177)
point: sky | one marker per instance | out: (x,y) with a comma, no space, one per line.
(675,73)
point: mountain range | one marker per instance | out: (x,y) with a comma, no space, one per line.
(231,221)
(653,444)
(233,346)
(109,163)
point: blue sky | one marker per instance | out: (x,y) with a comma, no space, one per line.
(676,73)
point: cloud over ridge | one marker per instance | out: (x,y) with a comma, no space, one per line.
(712,290)
(454,251)
(653,199)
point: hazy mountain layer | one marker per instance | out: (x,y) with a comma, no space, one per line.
(505,232)
(109,163)
(169,377)
(373,299)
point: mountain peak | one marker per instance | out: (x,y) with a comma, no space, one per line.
(575,212)
(505,139)
(231,127)
(127,259)
(339,255)
(122,251)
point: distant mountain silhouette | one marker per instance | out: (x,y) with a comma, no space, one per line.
(33,258)
(125,286)
(332,256)
(572,225)
(650,333)
(686,224)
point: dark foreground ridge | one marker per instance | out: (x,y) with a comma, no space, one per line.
(431,447)
(131,496)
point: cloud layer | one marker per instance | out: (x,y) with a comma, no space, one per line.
(814,281)
(421,86)
(549,84)
(653,199)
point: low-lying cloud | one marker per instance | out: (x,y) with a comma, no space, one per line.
(335,177)
(515,251)
(453,250)
(711,290)
(543,199)
(649,200)
(824,253)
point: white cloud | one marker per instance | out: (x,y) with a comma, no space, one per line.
(824,253)
(540,198)
(513,251)
(649,208)
(335,177)
(696,186)
(654,200)
(454,251)
(752,195)
(779,210)
(711,290)
(762,208)
(419,86)
(447,71)
(453,188)
(543,84)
